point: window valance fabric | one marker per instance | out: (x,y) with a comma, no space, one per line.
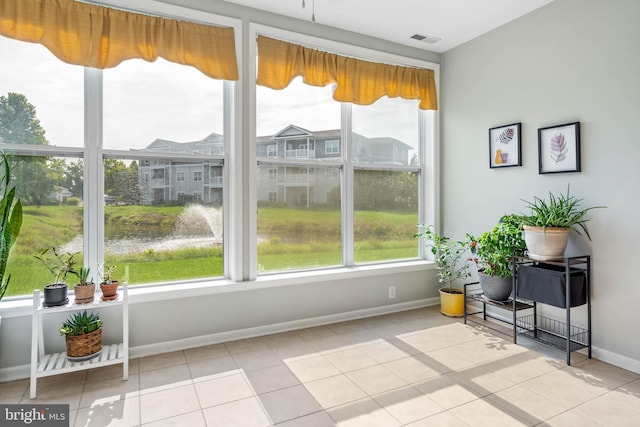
(102,37)
(358,81)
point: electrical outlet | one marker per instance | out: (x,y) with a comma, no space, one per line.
(392,292)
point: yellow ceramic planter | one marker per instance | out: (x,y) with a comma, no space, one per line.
(452,303)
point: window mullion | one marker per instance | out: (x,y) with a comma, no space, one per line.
(347,187)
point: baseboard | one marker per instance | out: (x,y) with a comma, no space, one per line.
(616,359)
(23,371)
(257,331)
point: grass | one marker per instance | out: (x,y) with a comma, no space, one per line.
(306,238)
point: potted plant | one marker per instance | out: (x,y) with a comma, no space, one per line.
(547,226)
(60,265)
(108,283)
(493,254)
(10,221)
(450,260)
(83,335)
(84,290)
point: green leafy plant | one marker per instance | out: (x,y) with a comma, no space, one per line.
(494,250)
(450,255)
(59,264)
(83,276)
(561,210)
(107,274)
(81,323)
(10,221)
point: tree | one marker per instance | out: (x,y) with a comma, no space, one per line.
(19,125)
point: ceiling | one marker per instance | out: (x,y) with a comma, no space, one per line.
(452,22)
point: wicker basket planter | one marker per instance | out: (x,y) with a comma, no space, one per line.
(84,347)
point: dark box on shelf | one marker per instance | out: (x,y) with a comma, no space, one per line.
(547,284)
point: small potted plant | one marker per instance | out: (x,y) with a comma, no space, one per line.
(493,254)
(83,335)
(547,226)
(84,290)
(60,265)
(108,283)
(451,263)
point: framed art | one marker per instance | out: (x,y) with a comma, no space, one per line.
(559,148)
(505,146)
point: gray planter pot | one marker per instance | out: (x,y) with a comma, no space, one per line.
(495,288)
(55,294)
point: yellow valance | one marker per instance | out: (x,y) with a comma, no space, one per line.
(102,37)
(359,82)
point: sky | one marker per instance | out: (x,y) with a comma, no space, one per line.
(146,101)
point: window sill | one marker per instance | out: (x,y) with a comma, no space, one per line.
(141,294)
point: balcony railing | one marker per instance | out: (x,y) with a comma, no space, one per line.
(303,153)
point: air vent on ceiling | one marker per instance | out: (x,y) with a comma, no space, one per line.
(426,39)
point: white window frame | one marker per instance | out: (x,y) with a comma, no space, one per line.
(198,176)
(333,143)
(180,176)
(428,128)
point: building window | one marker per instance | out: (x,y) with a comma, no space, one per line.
(332,147)
(180,176)
(158,173)
(272,150)
(273,173)
(197,196)
(197,176)
(273,196)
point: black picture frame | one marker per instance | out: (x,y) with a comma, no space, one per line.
(505,146)
(559,148)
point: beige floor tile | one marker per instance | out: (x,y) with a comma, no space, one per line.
(482,379)
(565,386)
(412,369)
(289,403)
(256,359)
(349,360)
(67,392)
(317,419)
(385,351)
(363,413)
(202,370)
(222,390)
(334,391)
(112,371)
(443,419)
(13,390)
(449,359)
(446,391)
(610,411)
(376,379)
(241,413)
(480,413)
(572,419)
(408,404)
(160,361)
(249,344)
(525,366)
(168,403)
(109,390)
(205,353)
(164,378)
(329,343)
(192,419)
(292,349)
(527,405)
(316,332)
(120,413)
(271,378)
(312,368)
(603,374)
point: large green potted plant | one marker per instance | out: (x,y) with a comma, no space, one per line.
(450,258)
(10,221)
(493,253)
(60,265)
(83,335)
(547,226)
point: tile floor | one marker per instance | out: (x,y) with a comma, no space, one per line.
(415,368)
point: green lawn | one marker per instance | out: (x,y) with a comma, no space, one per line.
(306,238)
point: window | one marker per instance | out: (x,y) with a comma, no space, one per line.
(197,176)
(332,147)
(272,150)
(378,177)
(180,176)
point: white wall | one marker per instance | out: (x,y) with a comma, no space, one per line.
(572,60)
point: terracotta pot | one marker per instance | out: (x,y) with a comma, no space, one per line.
(452,302)
(109,290)
(55,294)
(84,293)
